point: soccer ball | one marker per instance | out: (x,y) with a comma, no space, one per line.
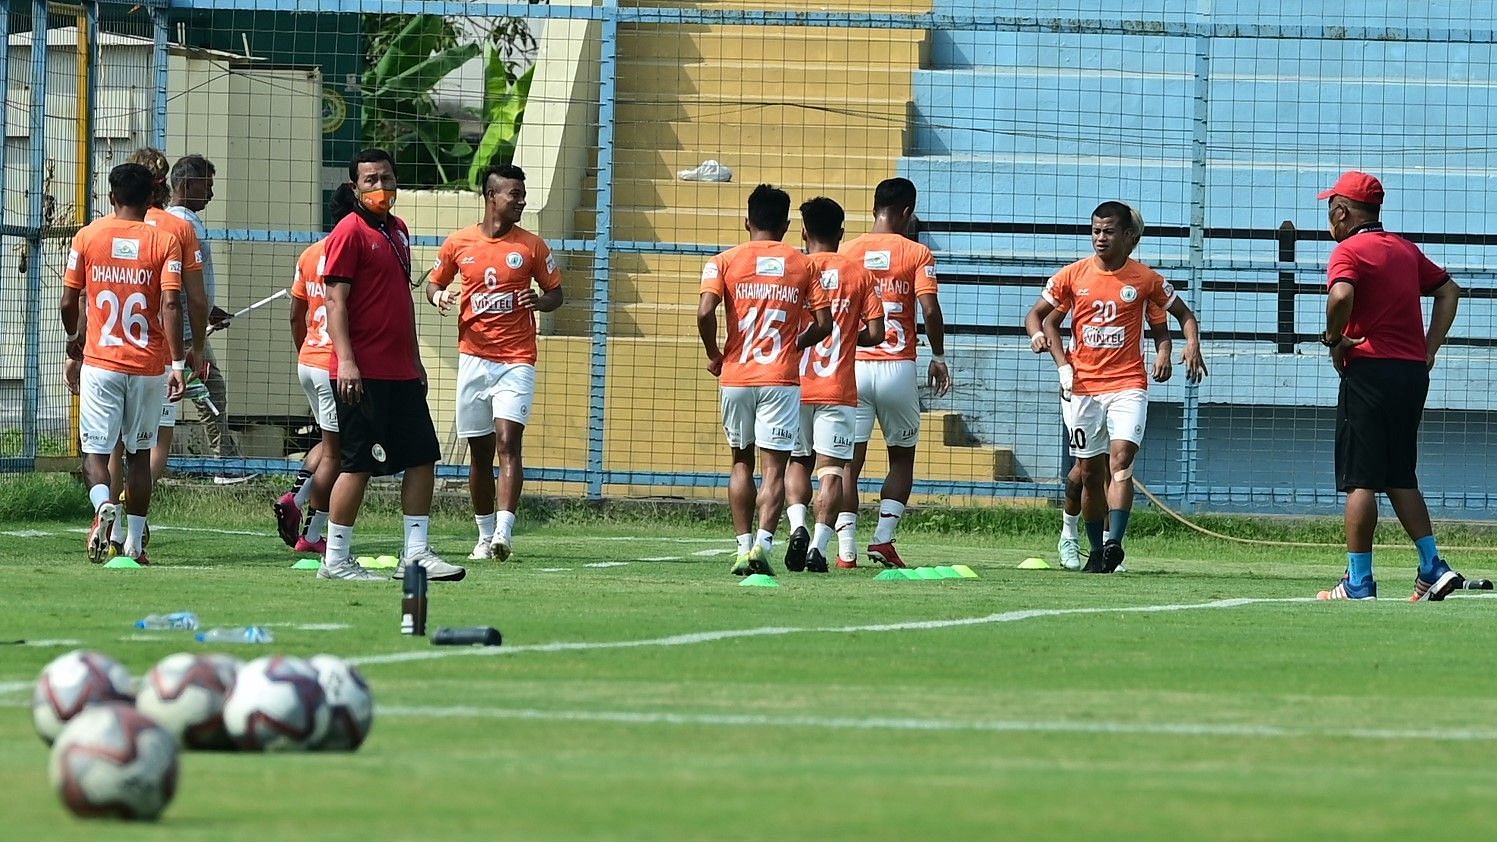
(350,704)
(185,694)
(113,761)
(71,683)
(276,705)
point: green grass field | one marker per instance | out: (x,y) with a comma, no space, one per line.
(1198,696)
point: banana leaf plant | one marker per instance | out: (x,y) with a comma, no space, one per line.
(504,98)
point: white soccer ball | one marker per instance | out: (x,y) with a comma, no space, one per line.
(276,705)
(185,694)
(71,683)
(350,704)
(111,761)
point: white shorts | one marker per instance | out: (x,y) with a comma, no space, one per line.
(488,391)
(888,390)
(318,385)
(170,411)
(115,407)
(1093,422)
(763,416)
(825,429)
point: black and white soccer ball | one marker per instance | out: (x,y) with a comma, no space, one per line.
(71,683)
(112,761)
(276,705)
(185,694)
(350,704)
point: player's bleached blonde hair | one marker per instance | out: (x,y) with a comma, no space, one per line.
(152,159)
(1124,213)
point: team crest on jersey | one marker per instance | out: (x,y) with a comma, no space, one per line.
(514,260)
(1169,288)
(709,271)
(1128,294)
(124,249)
(830,279)
(878,261)
(770,267)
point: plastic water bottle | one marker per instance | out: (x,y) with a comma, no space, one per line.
(243,634)
(175,621)
(476,636)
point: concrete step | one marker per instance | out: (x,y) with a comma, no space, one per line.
(770,44)
(674,193)
(833,84)
(771,127)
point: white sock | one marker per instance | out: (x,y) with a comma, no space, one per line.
(765,540)
(506,525)
(98,495)
(823,538)
(304,493)
(315,525)
(745,542)
(339,541)
(1106,536)
(136,536)
(1070,531)
(847,535)
(889,512)
(485,526)
(415,533)
(120,531)
(797,514)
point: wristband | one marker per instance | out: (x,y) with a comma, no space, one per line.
(179,365)
(431,298)
(1034,337)
(938,358)
(1326,340)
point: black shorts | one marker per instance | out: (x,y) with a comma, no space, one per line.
(387,431)
(1377,423)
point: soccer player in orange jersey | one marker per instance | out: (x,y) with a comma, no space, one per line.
(1077,500)
(314,356)
(888,387)
(127,276)
(828,386)
(498,262)
(766,289)
(1102,378)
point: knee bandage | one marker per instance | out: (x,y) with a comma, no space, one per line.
(828,471)
(1126,473)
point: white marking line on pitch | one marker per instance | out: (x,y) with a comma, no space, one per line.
(885,723)
(772,631)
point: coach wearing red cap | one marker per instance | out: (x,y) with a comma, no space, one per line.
(1375,330)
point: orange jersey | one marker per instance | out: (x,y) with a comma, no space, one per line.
(192,250)
(827,375)
(317,347)
(767,288)
(904,270)
(493,270)
(1108,310)
(124,269)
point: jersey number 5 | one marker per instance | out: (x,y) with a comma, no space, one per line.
(134,325)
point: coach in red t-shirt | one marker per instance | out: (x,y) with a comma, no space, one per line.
(1375,330)
(378,381)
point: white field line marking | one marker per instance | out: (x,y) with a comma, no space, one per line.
(607,564)
(28,533)
(61,641)
(11,688)
(552,569)
(716,552)
(884,723)
(665,558)
(693,638)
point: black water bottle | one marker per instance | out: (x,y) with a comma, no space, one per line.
(476,636)
(413,601)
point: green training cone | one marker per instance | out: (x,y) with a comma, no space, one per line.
(887,575)
(122,563)
(1034,564)
(306,564)
(926,573)
(945,572)
(384,562)
(964,571)
(759,580)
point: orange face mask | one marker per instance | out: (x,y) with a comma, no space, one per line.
(377,201)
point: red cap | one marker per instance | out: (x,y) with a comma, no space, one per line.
(1357,186)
